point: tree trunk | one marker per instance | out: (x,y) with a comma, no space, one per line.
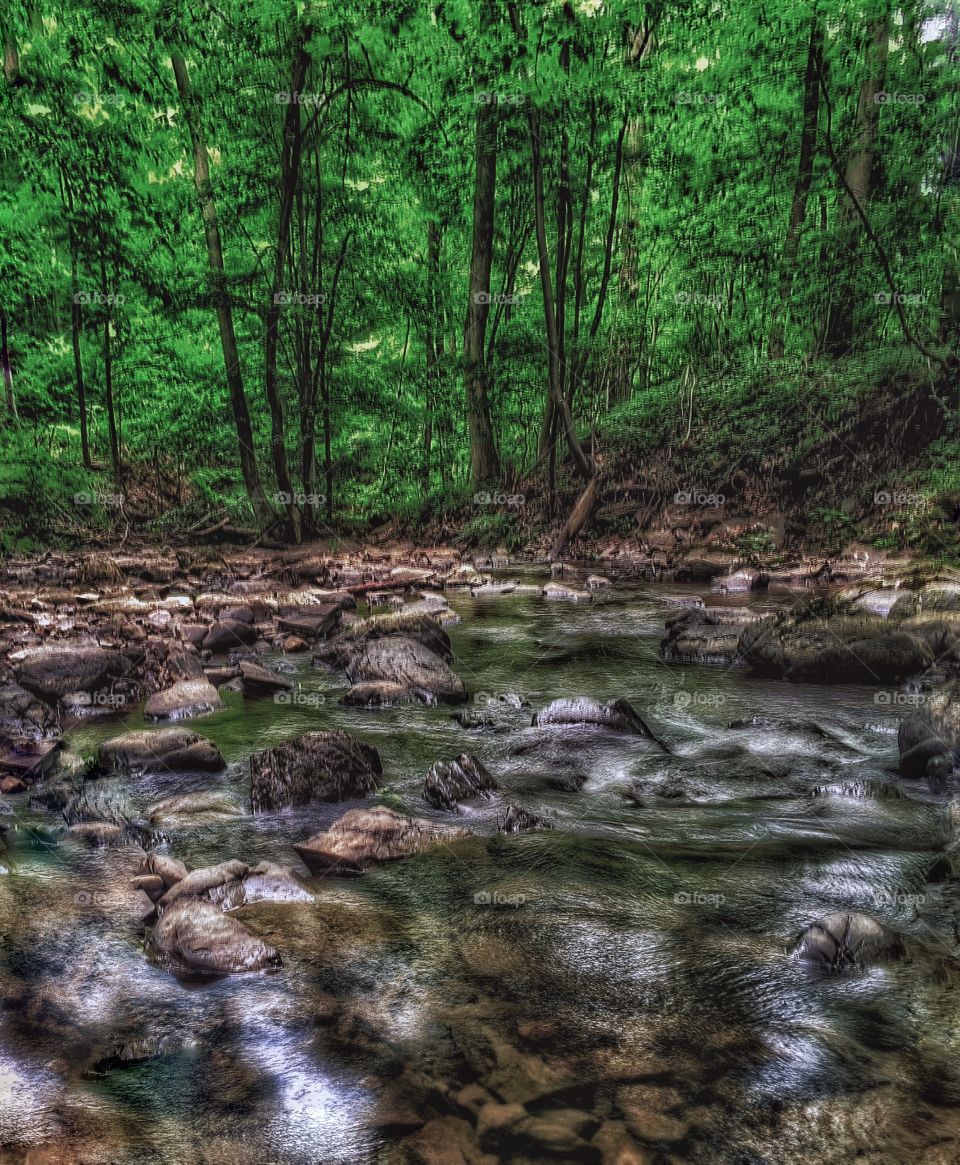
(7,369)
(859,169)
(290,171)
(801,189)
(228,339)
(108,371)
(484,460)
(11,57)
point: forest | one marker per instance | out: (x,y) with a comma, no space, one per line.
(480,582)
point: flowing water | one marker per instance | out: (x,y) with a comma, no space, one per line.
(631,963)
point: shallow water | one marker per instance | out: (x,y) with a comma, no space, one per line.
(632,962)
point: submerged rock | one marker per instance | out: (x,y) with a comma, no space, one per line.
(929,738)
(407,663)
(366,837)
(158,750)
(317,766)
(517,820)
(449,782)
(561,593)
(194,935)
(183,700)
(617,715)
(383,693)
(847,939)
(189,809)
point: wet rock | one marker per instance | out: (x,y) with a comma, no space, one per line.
(101,835)
(934,596)
(618,715)
(423,628)
(322,766)
(705,636)
(597,582)
(517,820)
(650,1110)
(22,714)
(56,671)
(11,785)
(313,623)
(405,661)
(195,935)
(30,760)
(258,681)
(156,750)
(557,592)
(367,837)
(842,648)
(847,939)
(383,693)
(227,635)
(740,582)
(183,700)
(150,884)
(929,738)
(494,588)
(192,809)
(449,782)
(169,869)
(292,644)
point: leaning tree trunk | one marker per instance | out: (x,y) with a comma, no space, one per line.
(801,189)
(228,338)
(11,400)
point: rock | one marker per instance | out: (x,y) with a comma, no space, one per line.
(194,809)
(423,628)
(449,782)
(29,760)
(169,870)
(382,693)
(184,665)
(22,714)
(930,736)
(366,837)
(704,637)
(183,700)
(101,835)
(740,581)
(59,670)
(406,662)
(323,766)
(11,785)
(157,750)
(597,582)
(227,635)
(833,649)
(267,882)
(314,623)
(618,715)
(195,935)
(150,884)
(233,884)
(258,681)
(293,643)
(648,1110)
(934,596)
(494,588)
(494,1118)
(517,820)
(559,592)
(847,939)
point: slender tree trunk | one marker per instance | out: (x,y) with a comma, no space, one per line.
(431,345)
(801,189)
(11,57)
(290,172)
(228,339)
(859,169)
(76,325)
(484,460)
(108,371)
(7,369)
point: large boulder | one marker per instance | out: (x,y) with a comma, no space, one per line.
(313,622)
(834,648)
(155,750)
(617,715)
(382,694)
(194,935)
(22,714)
(423,628)
(59,670)
(317,766)
(227,635)
(447,783)
(183,700)
(365,837)
(705,635)
(408,663)
(847,939)
(258,681)
(929,738)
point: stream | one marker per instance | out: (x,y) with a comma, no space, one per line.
(629,968)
